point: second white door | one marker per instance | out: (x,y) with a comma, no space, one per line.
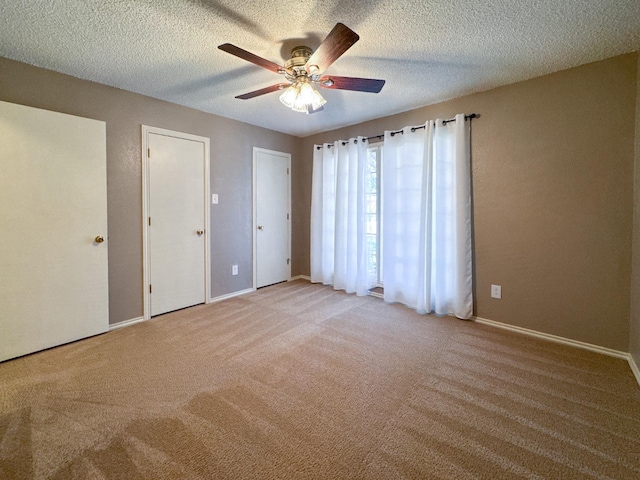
(271,217)
(176,226)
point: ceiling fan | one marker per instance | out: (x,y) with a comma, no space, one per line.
(305,69)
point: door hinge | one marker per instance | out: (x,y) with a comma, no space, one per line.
(149,288)
(149,152)
(149,221)
(287,171)
(288,259)
(287,216)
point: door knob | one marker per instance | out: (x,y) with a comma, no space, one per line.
(99,239)
(260,227)
(199,232)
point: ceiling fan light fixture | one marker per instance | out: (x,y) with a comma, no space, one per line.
(302,97)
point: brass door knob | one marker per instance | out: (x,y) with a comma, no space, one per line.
(99,239)
(199,232)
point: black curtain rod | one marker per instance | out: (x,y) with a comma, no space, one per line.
(413,129)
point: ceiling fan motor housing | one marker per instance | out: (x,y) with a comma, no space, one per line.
(299,57)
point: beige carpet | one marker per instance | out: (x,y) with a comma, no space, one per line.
(300,381)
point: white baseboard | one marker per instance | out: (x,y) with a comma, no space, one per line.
(634,368)
(565,341)
(126,323)
(300,277)
(554,338)
(231,295)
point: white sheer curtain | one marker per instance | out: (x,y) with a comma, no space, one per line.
(426,204)
(338,248)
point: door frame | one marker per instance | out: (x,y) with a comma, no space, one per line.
(146,263)
(254,222)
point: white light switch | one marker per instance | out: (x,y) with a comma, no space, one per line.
(496,291)
(234,269)
(214,198)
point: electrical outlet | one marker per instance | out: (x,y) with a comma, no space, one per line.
(496,291)
(234,269)
(214,198)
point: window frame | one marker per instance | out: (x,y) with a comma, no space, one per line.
(378,147)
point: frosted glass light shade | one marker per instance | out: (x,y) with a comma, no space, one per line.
(310,97)
(289,96)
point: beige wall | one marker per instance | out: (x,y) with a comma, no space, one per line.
(634,338)
(552,163)
(124,113)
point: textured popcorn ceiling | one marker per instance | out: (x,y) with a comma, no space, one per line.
(426,50)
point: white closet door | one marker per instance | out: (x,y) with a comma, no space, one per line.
(272,212)
(53,206)
(177,227)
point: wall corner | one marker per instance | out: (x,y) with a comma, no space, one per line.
(634,327)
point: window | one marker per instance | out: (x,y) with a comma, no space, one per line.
(373,215)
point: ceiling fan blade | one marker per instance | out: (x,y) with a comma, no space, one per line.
(262,91)
(250,57)
(351,83)
(339,40)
